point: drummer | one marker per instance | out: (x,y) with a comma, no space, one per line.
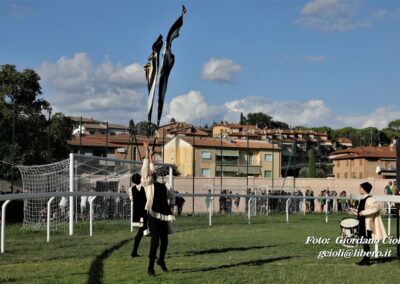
(370,222)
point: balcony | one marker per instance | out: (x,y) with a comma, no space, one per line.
(239,169)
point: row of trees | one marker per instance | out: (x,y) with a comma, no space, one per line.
(29,133)
(359,137)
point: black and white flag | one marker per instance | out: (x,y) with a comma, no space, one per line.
(168,63)
(151,70)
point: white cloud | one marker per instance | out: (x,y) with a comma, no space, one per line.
(130,76)
(20,11)
(76,87)
(220,70)
(192,107)
(309,113)
(314,58)
(69,74)
(384,14)
(379,118)
(334,15)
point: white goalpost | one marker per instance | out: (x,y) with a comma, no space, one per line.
(80,174)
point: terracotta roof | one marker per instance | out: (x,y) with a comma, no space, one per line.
(117,141)
(364,152)
(344,140)
(215,142)
(84,119)
(233,125)
(294,131)
(92,140)
(182,128)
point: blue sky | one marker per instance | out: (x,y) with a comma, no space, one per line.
(313,63)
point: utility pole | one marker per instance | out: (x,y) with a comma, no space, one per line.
(13,142)
(247,163)
(80,136)
(221,162)
(193,171)
(48,137)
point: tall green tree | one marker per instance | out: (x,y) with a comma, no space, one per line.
(395,125)
(60,131)
(143,128)
(263,121)
(26,132)
(312,171)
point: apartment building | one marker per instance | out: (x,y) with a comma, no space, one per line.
(364,162)
(213,157)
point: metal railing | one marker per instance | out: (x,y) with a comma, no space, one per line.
(250,199)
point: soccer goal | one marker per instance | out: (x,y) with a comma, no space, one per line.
(80,174)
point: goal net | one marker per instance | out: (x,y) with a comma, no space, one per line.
(88,174)
(41,179)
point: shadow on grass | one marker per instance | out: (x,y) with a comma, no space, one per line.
(223,250)
(385,259)
(96,268)
(191,229)
(257,262)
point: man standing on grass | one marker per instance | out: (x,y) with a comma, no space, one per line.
(159,212)
(138,196)
(370,222)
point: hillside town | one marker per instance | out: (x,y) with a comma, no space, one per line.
(236,150)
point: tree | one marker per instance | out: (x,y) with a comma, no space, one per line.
(143,128)
(312,172)
(23,125)
(391,132)
(259,118)
(61,128)
(395,125)
(242,119)
(25,130)
(131,127)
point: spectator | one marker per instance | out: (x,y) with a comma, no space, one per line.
(389,188)
(208,199)
(237,201)
(179,201)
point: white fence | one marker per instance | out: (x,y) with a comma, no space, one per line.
(251,201)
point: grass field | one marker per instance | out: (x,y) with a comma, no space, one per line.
(267,251)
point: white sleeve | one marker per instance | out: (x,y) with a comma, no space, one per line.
(130,193)
(371,207)
(147,179)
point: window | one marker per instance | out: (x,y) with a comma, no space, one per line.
(360,175)
(267,157)
(268,174)
(345,175)
(250,158)
(206,154)
(205,172)
(338,164)
(360,162)
(338,175)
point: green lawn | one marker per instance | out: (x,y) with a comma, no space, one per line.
(267,251)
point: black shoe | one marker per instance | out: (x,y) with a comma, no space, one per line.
(364,262)
(134,254)
(151,272)
(162,265)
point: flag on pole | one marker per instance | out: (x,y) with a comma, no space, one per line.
(168,63)
(151,70)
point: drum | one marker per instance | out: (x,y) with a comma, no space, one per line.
(349,228)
